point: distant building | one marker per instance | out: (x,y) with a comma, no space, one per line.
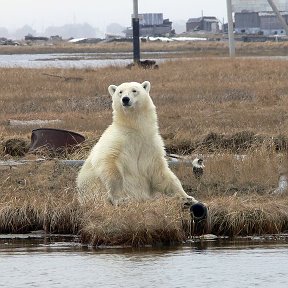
(264,23)
(150,19)
(225,28)
(257,5)
(152,24)
(247,22)
(205,23)
(270,24)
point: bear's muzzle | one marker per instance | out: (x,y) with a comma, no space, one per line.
(126,101)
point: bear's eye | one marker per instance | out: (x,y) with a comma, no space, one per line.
(120,92)
(134,91)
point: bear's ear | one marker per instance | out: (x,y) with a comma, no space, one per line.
(112,89)
(146,85)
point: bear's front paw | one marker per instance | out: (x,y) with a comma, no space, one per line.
(119,201)
(189,201)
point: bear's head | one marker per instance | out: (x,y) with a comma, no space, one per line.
(131,96)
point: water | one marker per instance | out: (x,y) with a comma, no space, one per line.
(58,263)
(64,60)
(89,60)
(71,60)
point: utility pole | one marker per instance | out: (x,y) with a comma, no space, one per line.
(230,29)
(136,32)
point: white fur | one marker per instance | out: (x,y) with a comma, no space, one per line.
(195,163)
(129,159)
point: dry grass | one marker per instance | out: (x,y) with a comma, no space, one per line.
(32,199)
(213,107)
(43,196)
(250,215)
(226,174)
(191,49)
(193,98)
(135,224)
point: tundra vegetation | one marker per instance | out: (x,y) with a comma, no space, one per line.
(231,112)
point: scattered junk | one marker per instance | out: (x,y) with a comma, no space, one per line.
(30,37)
(282,185)
(72,163)
(54,140)
(12,122)
(175,160)
(198,167)
(145,64)
(12,164)
(76,79)
(172,160)
(85,40)
(197,164)
(16,147)
(172,39)
(8,42)
(201,221)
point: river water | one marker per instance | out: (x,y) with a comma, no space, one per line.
(87,60)
(49,262)
(65,60)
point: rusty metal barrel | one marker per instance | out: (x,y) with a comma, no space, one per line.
(54,139)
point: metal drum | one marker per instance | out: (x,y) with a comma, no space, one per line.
(54,139)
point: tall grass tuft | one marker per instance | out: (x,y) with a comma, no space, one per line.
(43,196)
(249,215)
(153,222)
(39,196)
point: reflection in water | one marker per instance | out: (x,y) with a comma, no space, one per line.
(55,263)
(65,60)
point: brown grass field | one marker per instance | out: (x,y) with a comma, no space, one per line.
(184,49)
(215,107)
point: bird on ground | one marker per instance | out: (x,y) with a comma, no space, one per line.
(198,167)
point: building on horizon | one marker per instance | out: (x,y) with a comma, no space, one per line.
(257,5)
(153,25)
(261,23)
(257,17)
(205,23)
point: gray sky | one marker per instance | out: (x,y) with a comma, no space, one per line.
(40,14)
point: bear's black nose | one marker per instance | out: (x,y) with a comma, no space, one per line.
(125,101)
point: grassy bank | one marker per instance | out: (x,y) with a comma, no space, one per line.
(211,107)
(183,48)
(43,196)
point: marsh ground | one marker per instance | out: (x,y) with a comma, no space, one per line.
(214,107)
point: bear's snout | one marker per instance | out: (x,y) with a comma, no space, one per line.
(126,101)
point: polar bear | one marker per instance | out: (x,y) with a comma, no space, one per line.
(128,161)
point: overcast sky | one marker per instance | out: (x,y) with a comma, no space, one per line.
(39,14)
